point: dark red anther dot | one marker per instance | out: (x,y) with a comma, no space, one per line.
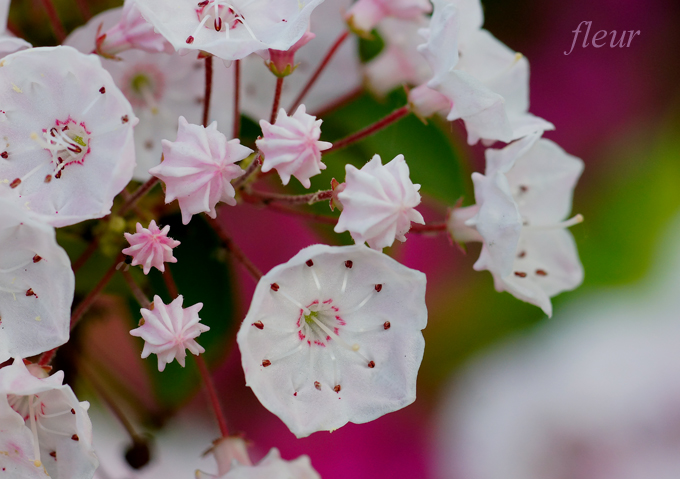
(310,263)
(266,362)
(75,437)
(125,119)
(30,292)
(15,183)
(203,3)
(54,455)
(387,325)
(378,287)
(295,393)
(57,175)
(349,264)
(371,364)
(102,90)
(73,411)
(520,274)
(317,385)
(541,272)
(4,154)
(36,258)
(275,287)
(190,39)
(522,254)
(523,189)
(258,325)
(337,388)
(48,178)
(218,24)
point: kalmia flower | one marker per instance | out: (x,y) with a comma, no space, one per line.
(198,168)
(131,31)
(169,330)
(229,30)
(334,335)
(44,430)
(151,247)
(67,145)
(8,42)
(365,14)
(522,203)
(379,202)
(282,63)
(36,285)
(160,89)
(291,146)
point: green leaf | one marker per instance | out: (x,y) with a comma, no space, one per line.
(369,48)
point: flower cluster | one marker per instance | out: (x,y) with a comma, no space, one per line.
(154,92)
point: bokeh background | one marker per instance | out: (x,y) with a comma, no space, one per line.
(617,109)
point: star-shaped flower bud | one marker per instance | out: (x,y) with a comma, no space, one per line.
(169,330)
(379,202)
(44,430)
(229,30)
(522,202)
(198,168)
(291,146)
(334,335)
(160,89)
(132,31)
(365,14)
(151,247)
(67,146)
(8,42)
(270,467)
(282,63)
(36,285)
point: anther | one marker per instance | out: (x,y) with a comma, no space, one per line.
(15,183)
(266,362)
(337,388)
(125,119)
(30,292)
(317,385)
(310,263)
(258,324)
(349,264)
(541,272)
(48,178)
(387,325)
(190,39)
(520,274)
(4,154)
(203,3)
(75,437)
(218,24)
(523,189)
(73,411)
(522,254)
(275,287)
(102,90)
(378,287)
(36,258)
(142,322)
(371,364)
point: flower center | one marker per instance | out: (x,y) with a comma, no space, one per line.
(144,86)
(218,15)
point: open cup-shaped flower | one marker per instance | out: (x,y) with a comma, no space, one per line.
(334,335)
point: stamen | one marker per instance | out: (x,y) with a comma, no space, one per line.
(564,224)
(191,37)
(9,270)
(52,431)
(305,310)
(34,430)
(284,355)
(48,416)
(316,279)
(360,305)
(337,338)
(344,279)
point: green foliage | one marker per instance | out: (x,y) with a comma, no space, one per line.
(369,48)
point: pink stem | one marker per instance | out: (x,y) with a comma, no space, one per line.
(235,251)
(277,100)
(370,130)
(139,193)
(208,89)
(237,98)
(308,199)
(57,26)
(427,228)
(212,395)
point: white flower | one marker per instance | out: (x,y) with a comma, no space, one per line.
(36,286)
(8,42)
(160,89)
(169,330)
(334,335)
(341,77)
(366,14)
(522,203)
(229,30)
(151,247)
(131,31)
(67,145)
(379,202)
(291,145)
(198,169)
(44,430)
(486,82)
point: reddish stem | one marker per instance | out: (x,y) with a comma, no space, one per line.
(252,168)
(320,69)
(308,199)
(235,251)
(170,283)
(87,254)
(212,395)
(136,290)
(339,103)
(277,100)
(237,98)
(304,214)
(84,9)
(57,26)
(208,88)
(428,228)
(371,130)
(138,194)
